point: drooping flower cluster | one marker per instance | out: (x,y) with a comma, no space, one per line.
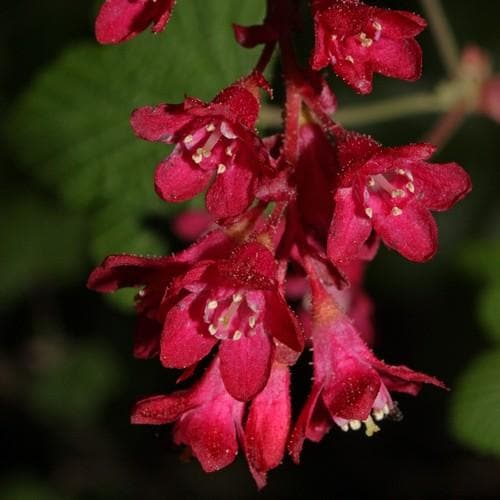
(295,216)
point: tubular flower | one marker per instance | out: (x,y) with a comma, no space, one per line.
(358,40)
(212,423)
(121,20)
(351,386)
(235,302)
(391,190)
(216,138)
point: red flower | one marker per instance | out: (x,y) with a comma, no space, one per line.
(154,275)
(211,422)
(216,138)
(391,190)
(358,40)
(351,386)
(121,20)
(237,302)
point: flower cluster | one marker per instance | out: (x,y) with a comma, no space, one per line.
(277,262)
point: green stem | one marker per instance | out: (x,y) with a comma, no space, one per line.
(367,114)
(443,34)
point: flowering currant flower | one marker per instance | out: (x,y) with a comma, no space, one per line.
(121,20)
(236,302)
(351,386)
(358,40)
(391,191)
(154,275)
(211,422)
(216,138)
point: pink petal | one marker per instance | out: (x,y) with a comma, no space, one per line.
(119,271)
(245,365)
(231,193)
(413,233)
(210,432)
(313,423)
(240,106)
(440,185)
(349,229)
(185,339)
(399,23)
(268,422)
(280,322)
(397,58)
(352,391)
(158,410)
(159,123)
(179,179)
(120,20)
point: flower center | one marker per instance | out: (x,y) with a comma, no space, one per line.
(211,146)
(233,317)
(392,190)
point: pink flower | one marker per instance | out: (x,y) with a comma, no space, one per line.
(154,275)
(351,386)
(391,190)
(211,139)
(121,20)
(212,423)
(358,40)
(236,302)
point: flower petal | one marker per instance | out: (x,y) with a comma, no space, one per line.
(178,179)
(159,123)
(268,422)
(245,365)
(158,410)
(210,432)
(412,233)
(441,185)
(349,229)
(185,339)
(231,193)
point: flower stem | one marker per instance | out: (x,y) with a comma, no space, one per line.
(443,34)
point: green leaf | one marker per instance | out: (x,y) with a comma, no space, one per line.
(489,310)
(41,245)
(475,415)
(71,128)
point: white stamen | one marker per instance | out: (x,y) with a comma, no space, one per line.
(409,175)
(371,181)
(198,156)
(252,320)
(210,127)
(401,171)
(237,335)
(396,211)
(365,40)
(355,425)
(212,304)
(410,187)
(386,409)
(345,427)
(188,139)
(398,193)
(229,151)
(371,427)
(212,329)
(378,414)
(142,293)
(350,59)
(237,297)
(221,168)
(377,26)
(369,212)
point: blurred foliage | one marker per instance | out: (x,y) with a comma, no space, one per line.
(75,116)
(78,185)
(475,415)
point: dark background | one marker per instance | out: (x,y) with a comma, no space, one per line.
(67,376)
